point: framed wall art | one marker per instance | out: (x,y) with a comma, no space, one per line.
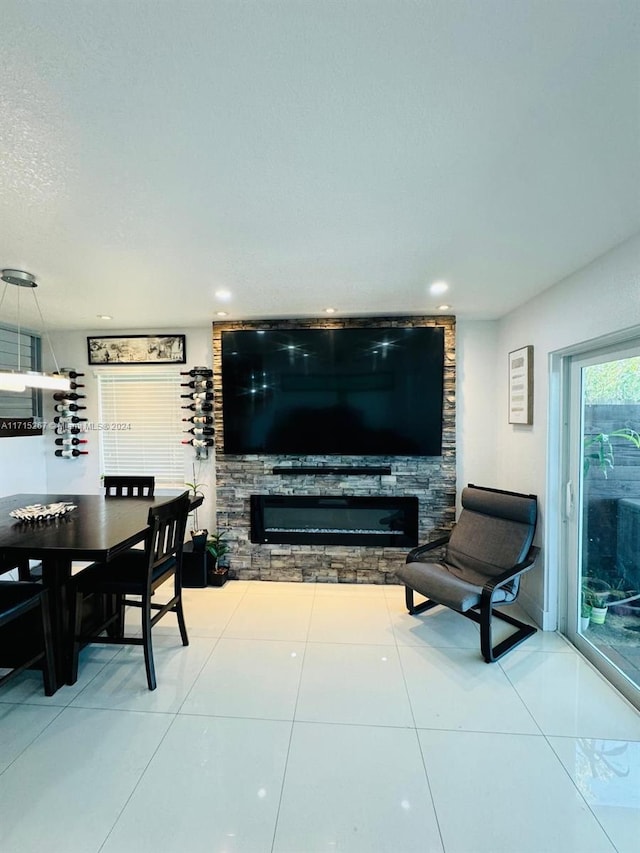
(137,349)
(521,386)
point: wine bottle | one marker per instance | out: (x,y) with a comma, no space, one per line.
(68,395)
(198,384)
(66,441)
(199,407)
(201,431)
(74,385)
(72,374)
(62,429)
(69,454)
(199,419)
(199,442)
(197,371)
(199,395)
(70,419)
(69,407)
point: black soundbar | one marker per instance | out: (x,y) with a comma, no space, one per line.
(346,470)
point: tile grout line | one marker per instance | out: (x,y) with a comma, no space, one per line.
(579,792)
(137,784)
(209,656)
(293,722)
(415,729)
(62,708)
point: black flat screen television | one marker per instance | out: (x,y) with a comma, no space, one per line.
(354,391)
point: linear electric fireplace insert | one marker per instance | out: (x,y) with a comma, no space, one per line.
(388,522)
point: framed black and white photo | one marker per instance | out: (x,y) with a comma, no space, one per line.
(137,349)
(521,386)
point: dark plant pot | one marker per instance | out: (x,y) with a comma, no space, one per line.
(195,566)
(199,540)
(218,577)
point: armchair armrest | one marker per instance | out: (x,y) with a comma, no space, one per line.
(415,553)
(510,574)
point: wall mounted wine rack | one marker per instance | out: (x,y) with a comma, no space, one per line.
(199,387)
(70,436)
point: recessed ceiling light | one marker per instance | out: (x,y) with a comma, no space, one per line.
(330,310)
(222,313)
(105,317)
(438,287)
(443,307)
(224,295)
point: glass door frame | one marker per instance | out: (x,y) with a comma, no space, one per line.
(565,482)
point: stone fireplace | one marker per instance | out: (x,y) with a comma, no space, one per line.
(333,518)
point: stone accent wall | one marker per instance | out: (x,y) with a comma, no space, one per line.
(431,479)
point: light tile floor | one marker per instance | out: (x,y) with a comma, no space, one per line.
(323,718)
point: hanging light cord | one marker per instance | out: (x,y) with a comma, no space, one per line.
(45,331)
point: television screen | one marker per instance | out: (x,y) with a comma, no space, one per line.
(351,391)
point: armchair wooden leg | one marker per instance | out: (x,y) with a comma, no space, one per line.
(491,653)
(413,609)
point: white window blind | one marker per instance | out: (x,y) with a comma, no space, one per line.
(141,425)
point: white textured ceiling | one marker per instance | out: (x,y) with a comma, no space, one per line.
(305,153)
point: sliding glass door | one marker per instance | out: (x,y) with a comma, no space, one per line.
(603,513)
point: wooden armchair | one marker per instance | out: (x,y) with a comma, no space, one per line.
(481,563)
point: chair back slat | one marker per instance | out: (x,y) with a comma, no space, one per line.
(129,487)
(167,524)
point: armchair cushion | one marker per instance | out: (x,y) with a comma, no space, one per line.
(450,585)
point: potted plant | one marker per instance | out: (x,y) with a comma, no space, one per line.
(598,449)
(198,535)
(199,539)
(595,593)
(218,548)
(585,616)
(600,594)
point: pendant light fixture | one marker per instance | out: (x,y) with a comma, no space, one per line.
(19,380)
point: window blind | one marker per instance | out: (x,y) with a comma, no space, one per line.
(140,425)
(20,404)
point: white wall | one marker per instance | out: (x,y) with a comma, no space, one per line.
(23,467)
(601,299)
(82,475)
(476,403)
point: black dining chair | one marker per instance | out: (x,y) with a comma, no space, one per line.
(137,573)
(25,632)
(129,486)
(124,486)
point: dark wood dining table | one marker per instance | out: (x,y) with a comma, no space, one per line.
(98,529)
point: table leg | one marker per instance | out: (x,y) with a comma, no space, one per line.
(56,572)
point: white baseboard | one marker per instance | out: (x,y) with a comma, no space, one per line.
(544,618)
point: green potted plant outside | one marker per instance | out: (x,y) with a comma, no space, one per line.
(596,596)
(218,549)
(599,594)
(598,450)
